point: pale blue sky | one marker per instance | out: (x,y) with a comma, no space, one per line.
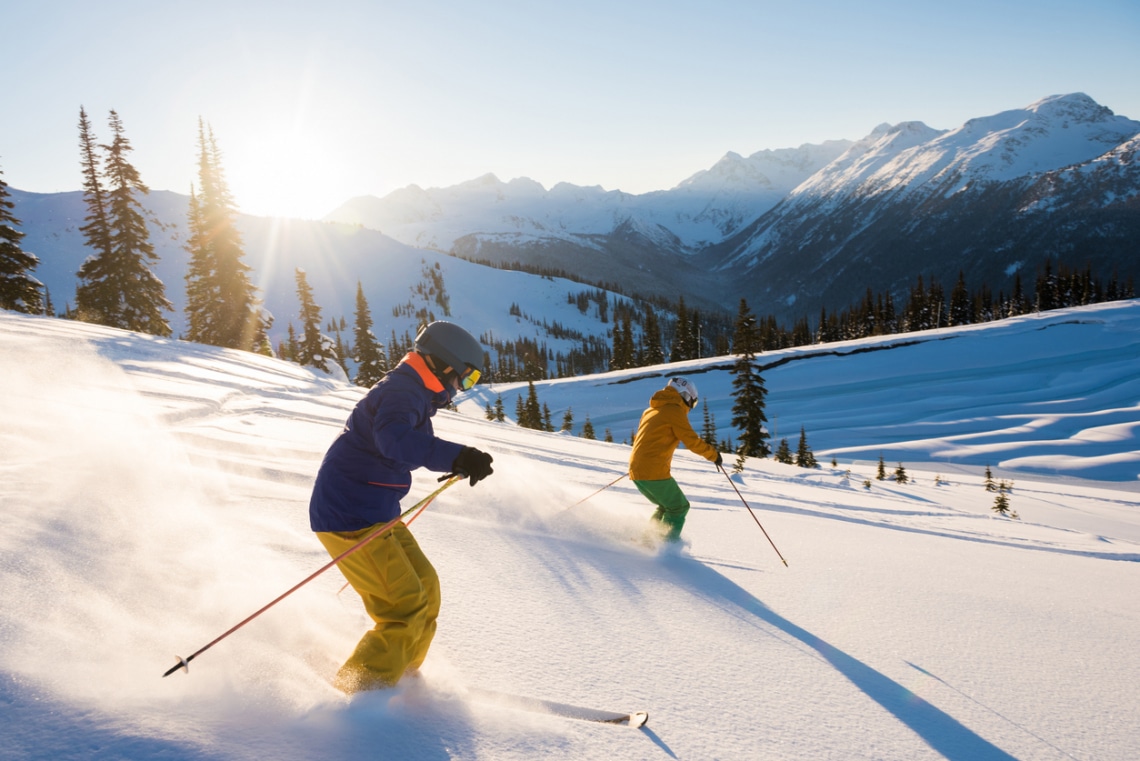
(315,102)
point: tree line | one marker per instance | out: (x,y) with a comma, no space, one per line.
(117,286)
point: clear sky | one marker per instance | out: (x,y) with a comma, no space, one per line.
(315,102)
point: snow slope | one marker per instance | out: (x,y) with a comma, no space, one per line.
(155,493)
(1056,393)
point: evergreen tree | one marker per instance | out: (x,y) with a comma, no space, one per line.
(900,474)
(221,304)
(721,346)
(1001,501)
(395,347)
(294,349)
(568,420)
(881,474)
(371,364)
(500,414)
(622,356)
(960,311)
(651,333)
(804,456)
(547,422)
(97,228)
(745,334)
(990,486)
(588,430)
(1047,289)
(261,341)
(681,340)
(314,349)
(694,349)
(117,286)
(936,304)
(748,407)
(529,412)
(1017,302)
(19,290)
(784,453)
(708,428)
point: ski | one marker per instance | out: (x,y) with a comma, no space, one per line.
(635,719)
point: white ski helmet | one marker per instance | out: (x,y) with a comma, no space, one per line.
(686,388)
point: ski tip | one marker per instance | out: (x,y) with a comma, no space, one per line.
(639,719)
(182,664)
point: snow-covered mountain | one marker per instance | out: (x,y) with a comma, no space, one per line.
(996,197)
(702,209)
(646,242)
(816,226)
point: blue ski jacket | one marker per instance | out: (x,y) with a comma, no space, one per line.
(368,468)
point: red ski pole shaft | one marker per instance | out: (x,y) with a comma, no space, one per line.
(722,470)
(183,663)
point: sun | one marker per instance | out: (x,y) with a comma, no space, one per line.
(287,173)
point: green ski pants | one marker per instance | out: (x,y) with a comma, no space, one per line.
(672,506)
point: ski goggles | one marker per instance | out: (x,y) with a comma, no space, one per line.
(468,378)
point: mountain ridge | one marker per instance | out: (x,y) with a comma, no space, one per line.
(792,231)
(887,208)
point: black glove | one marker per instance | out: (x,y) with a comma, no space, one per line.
(471,462)
(719,460)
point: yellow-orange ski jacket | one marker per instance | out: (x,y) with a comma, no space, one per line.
(663,426)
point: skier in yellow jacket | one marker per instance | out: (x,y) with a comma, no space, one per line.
(663,426)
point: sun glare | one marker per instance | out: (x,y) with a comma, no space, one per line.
(286,174)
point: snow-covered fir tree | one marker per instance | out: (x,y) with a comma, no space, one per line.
(314,349)
(221,303)
(117,286)
(368,353)
(19,289)
(804,456)
(749,392)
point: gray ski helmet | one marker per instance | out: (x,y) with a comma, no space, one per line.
(686,388)
(454,346)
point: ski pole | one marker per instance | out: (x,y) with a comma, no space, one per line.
(184,663)
(722,470)
(599,491)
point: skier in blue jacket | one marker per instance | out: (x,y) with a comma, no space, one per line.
(365,474)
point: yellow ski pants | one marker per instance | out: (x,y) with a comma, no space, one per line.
(400,590)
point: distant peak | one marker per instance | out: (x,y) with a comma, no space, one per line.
(1075,105)
(485,180)
(902,128)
